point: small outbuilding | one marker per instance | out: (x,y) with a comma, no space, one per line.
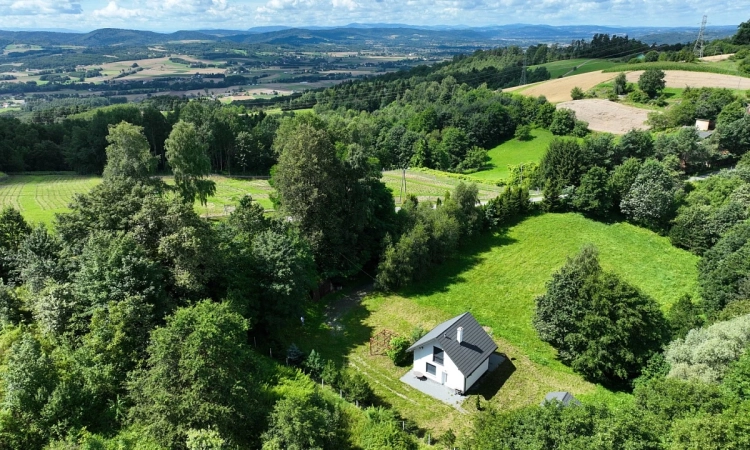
(455,353)
(565,398)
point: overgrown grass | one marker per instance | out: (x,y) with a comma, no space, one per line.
(432,184)
(514,152)
(497,278)
(39,197)
(690,67)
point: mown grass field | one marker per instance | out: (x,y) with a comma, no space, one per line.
(574,66)
(432,184)
(497,278)
(39,197)
(514,152)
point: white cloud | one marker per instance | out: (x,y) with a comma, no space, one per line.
(113,11)
(39,7)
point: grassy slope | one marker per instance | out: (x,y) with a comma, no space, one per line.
(514,152)
(432,184)
(497,278)
(39,197)
(581,65)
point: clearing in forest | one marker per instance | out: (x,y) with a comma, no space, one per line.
(514,152)
(607,116)
(497,277)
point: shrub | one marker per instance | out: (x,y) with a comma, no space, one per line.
(355,387)
(563,122)
(523,133)
(314,364)
(706,353)
(577,93)
(397,350)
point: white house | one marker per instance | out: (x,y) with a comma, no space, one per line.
(455,353)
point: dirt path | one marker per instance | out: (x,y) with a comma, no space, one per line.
(683,79)
(338,309)
(607,116)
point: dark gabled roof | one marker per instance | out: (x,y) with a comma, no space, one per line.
(566,398)
(477,345)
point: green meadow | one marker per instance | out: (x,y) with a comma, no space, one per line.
(514,152)
(497,277)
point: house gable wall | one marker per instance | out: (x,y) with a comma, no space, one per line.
(423,355)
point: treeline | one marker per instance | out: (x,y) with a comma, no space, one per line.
(446,126)
(237,141)
(121,87)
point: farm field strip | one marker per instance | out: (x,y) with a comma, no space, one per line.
(427,186)
(683,79)
(514,152)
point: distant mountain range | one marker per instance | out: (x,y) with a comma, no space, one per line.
(357,33)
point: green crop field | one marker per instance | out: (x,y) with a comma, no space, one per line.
(574,66)
(497,278)
(39,197)
(432,184)
(514,152)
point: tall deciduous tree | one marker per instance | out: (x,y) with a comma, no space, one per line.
(188,158)
(128,153)
(198,375)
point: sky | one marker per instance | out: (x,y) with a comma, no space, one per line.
(171,15)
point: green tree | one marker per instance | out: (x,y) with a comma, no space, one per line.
(13,231)
(565,162)
(558,311)
(652,82)
(563,122)
(593,196)
(181,386)
(187,157)
(128,153)
(623,178)
(735,136)
(724,270)
(737,378)
(650,200)
(742,36)
(603,327)
(304,423)
(621,84)
(29,382)
(635,144)
(619,332)
(684,315)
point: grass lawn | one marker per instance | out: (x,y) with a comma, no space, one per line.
(497,278)
(39,197)
(431,185)
(514,152)
(574,66)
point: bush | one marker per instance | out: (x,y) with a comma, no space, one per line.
(355,387)
(651,82)
(581,129)
(397,350)
(638,97)
(314,364)
(523,133)
(563,122)
(706,353)
(577,93)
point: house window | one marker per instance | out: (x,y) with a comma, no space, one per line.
(437,355)
(431,369)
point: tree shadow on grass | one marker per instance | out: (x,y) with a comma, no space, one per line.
(451,271)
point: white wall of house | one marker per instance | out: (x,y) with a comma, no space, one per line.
(478,372)
(423,355)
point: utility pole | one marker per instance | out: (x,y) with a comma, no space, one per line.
(523,72)
(700,43)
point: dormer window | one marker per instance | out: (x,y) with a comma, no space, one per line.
(437,355)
